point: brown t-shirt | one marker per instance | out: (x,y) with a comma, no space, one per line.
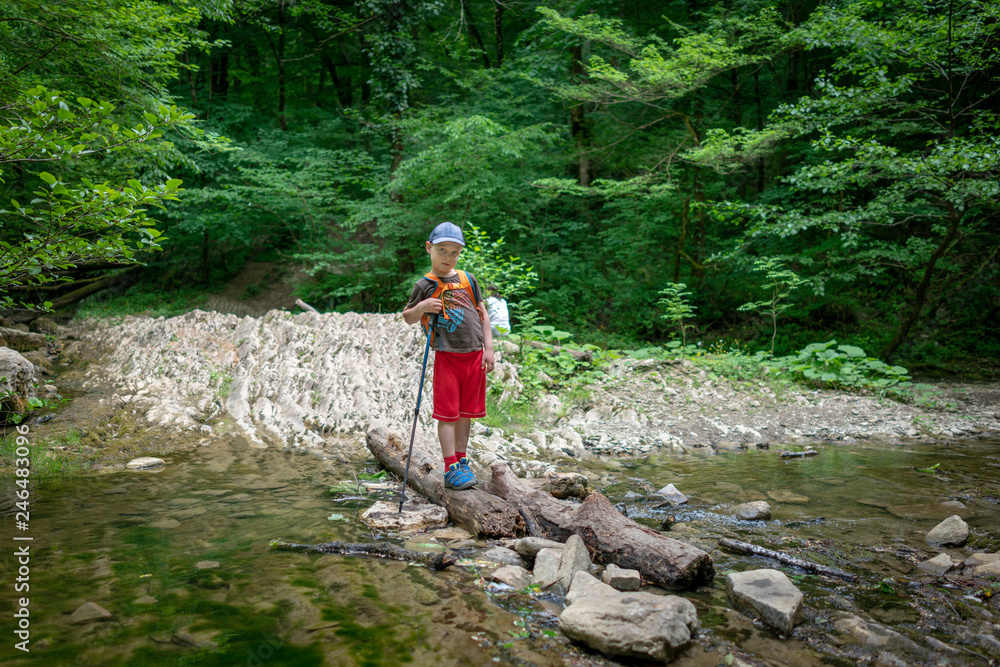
(461,331)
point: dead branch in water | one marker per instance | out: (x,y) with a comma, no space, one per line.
(372,550)
(815,568)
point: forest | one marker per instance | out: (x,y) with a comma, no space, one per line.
(761,174)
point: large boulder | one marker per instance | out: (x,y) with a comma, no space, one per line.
(767,595)
(17,376)
(637,625)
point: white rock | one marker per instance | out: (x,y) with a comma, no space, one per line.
(386,516)
(952,532)
(586,585)
(546,566)
(514,576)
(621,579)
(530,546)
(145,463)
(758,510)
(638,625)
(940,564)
(574,558)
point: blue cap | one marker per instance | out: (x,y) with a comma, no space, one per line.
(447,231)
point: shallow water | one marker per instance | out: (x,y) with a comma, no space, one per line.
(132,542)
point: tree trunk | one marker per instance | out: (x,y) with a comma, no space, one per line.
(93,287)
(473,30)
(922,288)
(610,536)
(498,9)
(579,127)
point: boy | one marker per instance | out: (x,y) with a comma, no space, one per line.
(463,348)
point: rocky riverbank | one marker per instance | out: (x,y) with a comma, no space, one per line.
(322,380)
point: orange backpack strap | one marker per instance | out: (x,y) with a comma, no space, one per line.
(464,282)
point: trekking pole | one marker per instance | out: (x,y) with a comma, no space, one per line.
(416,410)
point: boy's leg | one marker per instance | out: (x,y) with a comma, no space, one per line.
(462,429)
(448,436)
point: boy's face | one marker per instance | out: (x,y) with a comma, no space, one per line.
(444,257)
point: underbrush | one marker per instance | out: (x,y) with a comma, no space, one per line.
(550,361)
(47,460)
(143,300)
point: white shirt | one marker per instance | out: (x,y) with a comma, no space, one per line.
(499,317)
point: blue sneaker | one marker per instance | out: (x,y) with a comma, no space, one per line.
(457,477)
(464,463)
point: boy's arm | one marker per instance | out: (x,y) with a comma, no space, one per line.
(488,357)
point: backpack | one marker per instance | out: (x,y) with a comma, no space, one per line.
(465,281)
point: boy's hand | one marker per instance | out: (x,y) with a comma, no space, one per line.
(431,305)
(488,360)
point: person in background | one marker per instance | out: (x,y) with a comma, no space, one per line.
(496,305)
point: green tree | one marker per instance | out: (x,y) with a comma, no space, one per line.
(781,282)
(674,300)
(68,223)
(905,183)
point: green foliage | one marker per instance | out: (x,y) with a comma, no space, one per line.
(781,282)
(66,224)
(487,260)
(841,366)
(674,300)
(544,367)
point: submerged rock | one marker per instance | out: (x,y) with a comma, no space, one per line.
(756,511)
(637,625)
(767,595)
(785,496)
(671,493)
(89,611)
(952,532)
(872,634)
(931,510)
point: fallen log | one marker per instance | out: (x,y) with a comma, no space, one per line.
(305,306)
(610,536)
(372,549)
(478,512)
(815,568)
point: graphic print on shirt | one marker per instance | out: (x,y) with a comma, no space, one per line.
(455,302)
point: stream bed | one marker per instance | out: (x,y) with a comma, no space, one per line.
(180,558)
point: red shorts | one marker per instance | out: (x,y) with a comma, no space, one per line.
(459,386)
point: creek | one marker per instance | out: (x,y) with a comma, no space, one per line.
(180,558)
